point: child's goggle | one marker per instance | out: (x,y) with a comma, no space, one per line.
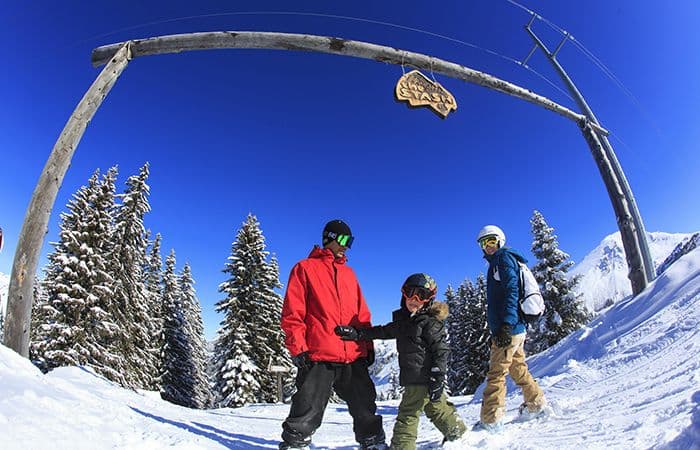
(488,241)
(419,294)
(345,240)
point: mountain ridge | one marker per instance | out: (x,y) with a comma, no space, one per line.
(604,269)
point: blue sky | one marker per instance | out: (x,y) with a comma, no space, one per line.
(301,138)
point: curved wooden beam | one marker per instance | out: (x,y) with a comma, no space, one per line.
(305,42)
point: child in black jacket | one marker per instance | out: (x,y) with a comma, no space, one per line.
(419,329)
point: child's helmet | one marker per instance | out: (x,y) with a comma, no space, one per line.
(492,230)
(422,285)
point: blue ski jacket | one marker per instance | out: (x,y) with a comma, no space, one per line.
(503,290)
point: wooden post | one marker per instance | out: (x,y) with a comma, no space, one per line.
(279,370)
(31,237)
(637,275)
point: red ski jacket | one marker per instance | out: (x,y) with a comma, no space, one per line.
(323,293)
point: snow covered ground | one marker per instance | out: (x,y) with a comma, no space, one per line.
(629,381)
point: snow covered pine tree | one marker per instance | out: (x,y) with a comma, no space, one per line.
(250,338)
(71,320)
(565,311)
(468,336)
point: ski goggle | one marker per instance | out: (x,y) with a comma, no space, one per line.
(345,240)
(419,294)
(488,241)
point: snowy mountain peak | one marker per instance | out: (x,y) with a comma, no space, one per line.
(604,270)
(612,255)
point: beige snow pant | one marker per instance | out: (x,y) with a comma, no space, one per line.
(506,360)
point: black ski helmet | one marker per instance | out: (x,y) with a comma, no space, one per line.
(333,229)
(422,282)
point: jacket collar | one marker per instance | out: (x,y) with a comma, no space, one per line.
(491,258)
(503,250)
(403,312)
(326,255)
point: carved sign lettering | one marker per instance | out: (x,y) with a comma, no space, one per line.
(418,90)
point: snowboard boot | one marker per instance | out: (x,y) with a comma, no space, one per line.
(293,440)
(287,446)
(455,433)
(525,413)
(493,428)
(374,443)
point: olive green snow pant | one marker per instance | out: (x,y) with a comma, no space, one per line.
(441,413)
(506,360)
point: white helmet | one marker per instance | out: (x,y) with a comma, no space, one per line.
(492,230)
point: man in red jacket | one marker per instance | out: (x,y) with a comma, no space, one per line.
(323,293)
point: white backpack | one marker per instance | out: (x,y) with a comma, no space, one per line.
(531,301)
(529,296)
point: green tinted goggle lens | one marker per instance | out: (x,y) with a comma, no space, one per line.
(345,240)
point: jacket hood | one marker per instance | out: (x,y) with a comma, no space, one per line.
(324,253)
(516,254)
(439,310)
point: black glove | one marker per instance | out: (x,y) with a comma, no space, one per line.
(347,333)
(303,362)
(436,385)
(503,337)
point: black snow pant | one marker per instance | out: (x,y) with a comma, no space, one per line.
(352,383)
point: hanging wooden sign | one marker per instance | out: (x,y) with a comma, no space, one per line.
(418,90)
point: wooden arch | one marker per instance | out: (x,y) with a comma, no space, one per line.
(117,56)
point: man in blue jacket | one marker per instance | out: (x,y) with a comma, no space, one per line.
(507,334)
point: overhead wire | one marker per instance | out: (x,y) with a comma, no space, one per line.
(591,57)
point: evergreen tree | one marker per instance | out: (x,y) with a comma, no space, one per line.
(73,324)
(128,260)
(2,326)
(153,283)
(456,333)
(479,336)
(177,384)
(270,312)
(468,332)
(194,328)
(39,325)
(565,311)
(395,388)
(239,378)
(250,334)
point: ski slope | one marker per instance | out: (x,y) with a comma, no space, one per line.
(631,380)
